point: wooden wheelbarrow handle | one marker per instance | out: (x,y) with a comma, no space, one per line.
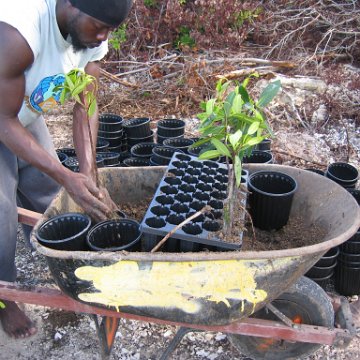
(28,217)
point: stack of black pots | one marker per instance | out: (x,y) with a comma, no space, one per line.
(138,131)
(323,271)
(170,128)
(111,130)
(348,269)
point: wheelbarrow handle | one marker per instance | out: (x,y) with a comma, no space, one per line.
(28,217)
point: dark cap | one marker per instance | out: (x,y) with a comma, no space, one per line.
(111,12)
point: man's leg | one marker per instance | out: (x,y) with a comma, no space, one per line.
(36,189)
(18,179)
(13,320)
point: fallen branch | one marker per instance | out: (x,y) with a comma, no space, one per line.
(115,79)
(298,157)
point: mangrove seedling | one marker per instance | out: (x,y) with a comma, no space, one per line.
(233,123)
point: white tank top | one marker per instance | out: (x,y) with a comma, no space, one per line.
(53,55)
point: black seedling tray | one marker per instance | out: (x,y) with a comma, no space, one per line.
(187,185)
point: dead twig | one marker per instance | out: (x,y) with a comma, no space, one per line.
(164,239)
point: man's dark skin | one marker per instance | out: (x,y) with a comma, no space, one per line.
(15,57)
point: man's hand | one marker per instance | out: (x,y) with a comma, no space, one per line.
(96,202)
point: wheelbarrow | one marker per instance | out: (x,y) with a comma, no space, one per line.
(259,298)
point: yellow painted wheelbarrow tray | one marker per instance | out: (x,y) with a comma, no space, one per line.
(213,288)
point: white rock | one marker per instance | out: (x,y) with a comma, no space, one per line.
(168,333)
(202,353)
(220,336)
(57,336)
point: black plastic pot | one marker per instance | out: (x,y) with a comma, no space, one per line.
(69,152)
(265,145)
(356,194)
(109,158)
(133,141)
(72,163)
(160,139)
(178,143)
(349,258)
(317,272)
(258,157)
(270,199)
(115,235)
(351,246)
(161,155)
(347,278)
(135,162)
(121,148)
(110,122)
(111,134)
(124,155)
(112,142)
(317,171)
(62,157)
(343,173)
(102,144)
(142,150)
(329,258)
(170,128)
(197,150)
(65,232)
(137,127)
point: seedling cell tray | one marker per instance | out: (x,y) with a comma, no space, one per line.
(186,187)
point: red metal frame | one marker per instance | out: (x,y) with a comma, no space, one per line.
(249,326)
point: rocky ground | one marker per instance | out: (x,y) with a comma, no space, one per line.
(64,335)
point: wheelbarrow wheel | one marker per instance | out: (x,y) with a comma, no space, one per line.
(304,302)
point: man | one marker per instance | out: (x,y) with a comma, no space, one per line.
(40,41)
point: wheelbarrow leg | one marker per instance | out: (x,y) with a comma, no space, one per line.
(106,330)
(175,342)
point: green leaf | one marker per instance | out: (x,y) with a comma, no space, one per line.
(253,128)
(244,94)
(269,93)
(213,130)
(221,147)
(254,141)
(2,305)
(237,169)
(235,138)
(228,103)
(237,104)
(210,154)
(210,106)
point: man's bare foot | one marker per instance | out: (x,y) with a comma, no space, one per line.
(15,323)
